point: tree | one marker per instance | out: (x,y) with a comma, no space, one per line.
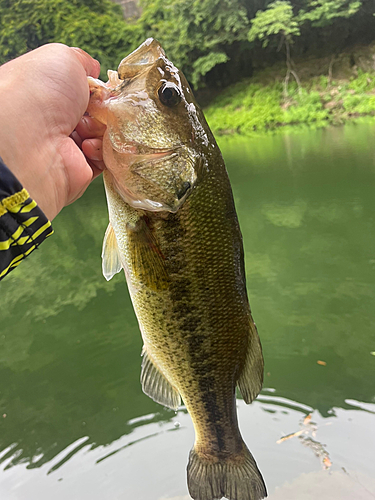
(207,39)
(96,26)
(195,34)
(322,13)
(282,23)
(277,22)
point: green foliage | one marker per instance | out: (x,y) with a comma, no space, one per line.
(95,26)
(307,108)
(364,82)
(249,108)
(278,19)
(359,104)
(245,108)
(323,82)
(205,38)
(204,64)
(324,12)
(195,34)
(281,19)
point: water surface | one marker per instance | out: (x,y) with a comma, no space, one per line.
(74,422)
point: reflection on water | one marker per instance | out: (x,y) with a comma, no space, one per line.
(149,463)
(73,417)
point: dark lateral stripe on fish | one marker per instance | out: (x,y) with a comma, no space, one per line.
(189,323)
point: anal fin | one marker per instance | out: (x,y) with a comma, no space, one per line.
(251,378)
(156,386)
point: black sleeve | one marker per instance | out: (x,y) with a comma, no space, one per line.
(23,226)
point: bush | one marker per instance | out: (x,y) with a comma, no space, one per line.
(96,26)
(361,104)
(363,82)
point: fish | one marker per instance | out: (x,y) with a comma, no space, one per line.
(174,231)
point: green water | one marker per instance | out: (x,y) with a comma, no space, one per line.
(74,422)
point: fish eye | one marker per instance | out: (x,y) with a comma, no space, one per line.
(169,94)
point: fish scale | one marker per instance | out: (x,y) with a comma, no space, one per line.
(174,230)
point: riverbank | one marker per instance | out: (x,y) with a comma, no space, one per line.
(260,104)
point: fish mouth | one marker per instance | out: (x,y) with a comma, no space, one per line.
(139,150)
(140,59)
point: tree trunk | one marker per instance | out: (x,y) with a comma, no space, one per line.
(330,69)
(290,71)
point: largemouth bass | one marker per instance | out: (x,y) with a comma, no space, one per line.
(173,229)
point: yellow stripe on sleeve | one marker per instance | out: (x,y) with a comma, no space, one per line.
(4,245)
(38,232)
(17,260)
(15,237)
(28,207)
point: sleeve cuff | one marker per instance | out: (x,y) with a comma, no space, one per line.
(23,226)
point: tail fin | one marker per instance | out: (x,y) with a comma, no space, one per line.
(235,478)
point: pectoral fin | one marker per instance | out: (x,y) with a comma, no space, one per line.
(111,263)
(251,378)
(148,262)
(156,386)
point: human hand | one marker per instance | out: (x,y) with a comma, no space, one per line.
(43,97)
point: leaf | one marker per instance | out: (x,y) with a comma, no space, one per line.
(307,419)
(278,19)
(204,64)
(289,436)
(323,12)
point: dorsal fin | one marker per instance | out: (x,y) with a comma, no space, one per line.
(111,263)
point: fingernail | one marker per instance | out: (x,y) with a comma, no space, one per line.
(85,122)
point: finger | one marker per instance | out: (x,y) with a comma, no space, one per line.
(89,128)
(78,174)
(91,66)
(76,138)
(93,149)
(97,167)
